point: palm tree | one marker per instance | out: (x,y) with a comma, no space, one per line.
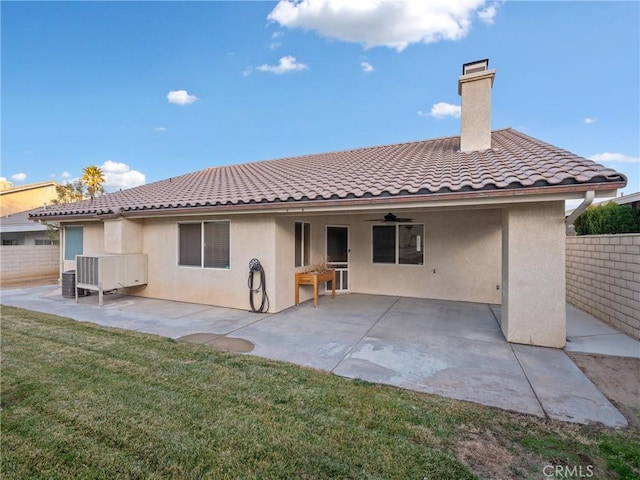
(93,178)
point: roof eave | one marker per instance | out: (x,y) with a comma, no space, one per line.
(462,199)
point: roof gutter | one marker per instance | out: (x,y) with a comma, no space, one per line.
(454,199)
(588,199)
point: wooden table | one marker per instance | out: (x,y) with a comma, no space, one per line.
(314,279)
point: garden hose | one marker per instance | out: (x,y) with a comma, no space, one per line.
(256,267)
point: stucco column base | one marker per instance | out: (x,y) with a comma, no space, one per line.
(533,274)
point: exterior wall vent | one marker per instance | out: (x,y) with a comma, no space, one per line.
(110,272)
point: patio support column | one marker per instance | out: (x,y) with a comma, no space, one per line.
(533,274)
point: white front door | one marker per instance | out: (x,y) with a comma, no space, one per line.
(337,253)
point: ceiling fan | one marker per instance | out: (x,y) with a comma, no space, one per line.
(390,217)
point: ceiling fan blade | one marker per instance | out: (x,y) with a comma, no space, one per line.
(390,218)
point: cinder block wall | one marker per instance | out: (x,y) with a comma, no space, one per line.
(27,262)
(603,278)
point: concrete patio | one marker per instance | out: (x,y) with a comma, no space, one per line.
(453,349)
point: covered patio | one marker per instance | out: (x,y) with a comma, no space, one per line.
(453,349)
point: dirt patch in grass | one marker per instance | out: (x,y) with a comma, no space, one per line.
(221,342)
(617,377)
(485,456)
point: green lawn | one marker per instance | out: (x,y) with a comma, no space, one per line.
(83,401)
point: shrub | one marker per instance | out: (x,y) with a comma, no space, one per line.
(610,218)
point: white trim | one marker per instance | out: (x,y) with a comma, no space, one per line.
(305,262)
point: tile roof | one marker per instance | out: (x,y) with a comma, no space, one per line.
(429,168)
(19,222)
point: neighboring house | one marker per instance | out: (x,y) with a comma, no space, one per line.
(25,197)
(27,251)
(477,217)
(631,201)
(18,229)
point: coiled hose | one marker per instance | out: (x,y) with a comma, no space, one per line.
(256,267)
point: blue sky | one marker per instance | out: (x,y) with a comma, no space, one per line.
(151,90)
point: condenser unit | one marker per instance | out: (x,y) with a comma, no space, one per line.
(110,272)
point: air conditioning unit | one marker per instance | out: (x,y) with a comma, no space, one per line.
(110,272)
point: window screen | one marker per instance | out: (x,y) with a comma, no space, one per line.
(384,244)
(410,251)
(216,244)
(73,239)
(190,244)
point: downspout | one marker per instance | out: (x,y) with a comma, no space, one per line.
(588,199)
(63,241)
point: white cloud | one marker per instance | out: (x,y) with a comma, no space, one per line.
(285,65)
(395,24)
(367,67)
(276,43)
(65,176)
(119,175)
(614,157)
(488,14)
(181,97)
(159,129)
(589,120)
(442,110)
(19,177)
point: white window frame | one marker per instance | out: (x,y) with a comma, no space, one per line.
(305,257)
(203,245)
(397,244)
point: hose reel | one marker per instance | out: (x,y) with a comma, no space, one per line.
(255,267)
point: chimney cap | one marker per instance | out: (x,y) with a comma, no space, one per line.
(474,67)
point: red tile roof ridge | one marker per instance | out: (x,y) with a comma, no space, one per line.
(348,150)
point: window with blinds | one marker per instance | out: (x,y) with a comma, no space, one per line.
(401,244)
(216,244)
(204,244)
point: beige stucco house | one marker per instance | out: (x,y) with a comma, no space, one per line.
(25,197)
(477,217)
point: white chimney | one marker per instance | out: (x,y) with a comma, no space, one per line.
(474,85)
